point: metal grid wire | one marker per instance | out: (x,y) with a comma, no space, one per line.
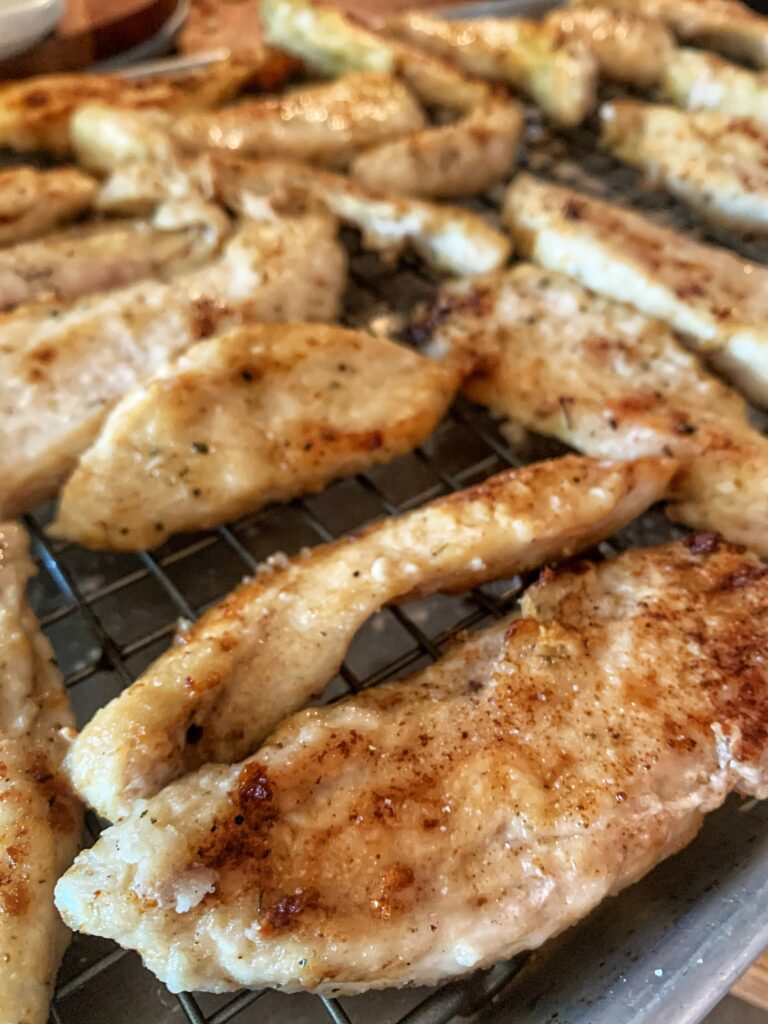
(109,615)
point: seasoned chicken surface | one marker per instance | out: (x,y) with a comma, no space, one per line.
(698,80)
(62,367)
(449,238)
(461,159)
(627,48)
(525,54)
(433,826)
(612,383)
(324,124)
(259,414)
(716,164)
(278,639)
(40,820)
(32,201)
(728,26)
(35,112)
(719,301)
(97,257)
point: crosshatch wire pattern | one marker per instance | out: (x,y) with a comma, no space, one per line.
(108,615)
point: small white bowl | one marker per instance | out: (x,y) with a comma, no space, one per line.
(24,22)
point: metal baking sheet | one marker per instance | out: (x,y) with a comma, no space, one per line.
(663,952)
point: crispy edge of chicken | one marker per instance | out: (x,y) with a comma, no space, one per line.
(717,300)
(612,383)
(728,26)
(432,826)
(448,238)
(40,820)
(465,158)
(562,80)
(628,49)
(324,123)
(35,112)
(278,639)
(696,80)
(716,164)
(33,201)
(65,365)
(262,413)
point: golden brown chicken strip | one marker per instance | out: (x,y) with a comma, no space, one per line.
(40,820)
(259,414)
(697,80)
(612,383)
(430,827)
(32,201)
(279,639)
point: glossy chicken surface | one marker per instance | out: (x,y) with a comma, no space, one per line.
(524,54)
(277,640)
(717,300)
(325,124)
(697,80)
(259,414)
(65,365)
(40,820)
(728,26)
(448,238)
(627,48)
(32,201)
(612,383)
(464,158)
(716,164)
(426,828)
(35,112)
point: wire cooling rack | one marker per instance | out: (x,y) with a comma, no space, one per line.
(664,951)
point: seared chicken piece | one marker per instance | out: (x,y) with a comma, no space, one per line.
(328,40)
(701,81)
(612,383)
(35,112)
(40,820)
(260,414)
(105,137)
(32,201)
(97,257)
(627,48)
(278,639)
(716,164)
(429,827)
(720,302)
(728,26)
(325,123)
(461,159)
(525,54)
(449,238)
(63,366)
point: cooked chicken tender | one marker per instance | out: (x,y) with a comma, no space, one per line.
(324,124)
(278,639)
(448,238)
(628,49)
(719,301)
(698,80)
(40,820)
(426,828)
(612,383)
(728,26)
(260,414)
(461,159)
(32,201)
(35,112)
(524,54)
(716,164)
(64,366)
(96,258)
